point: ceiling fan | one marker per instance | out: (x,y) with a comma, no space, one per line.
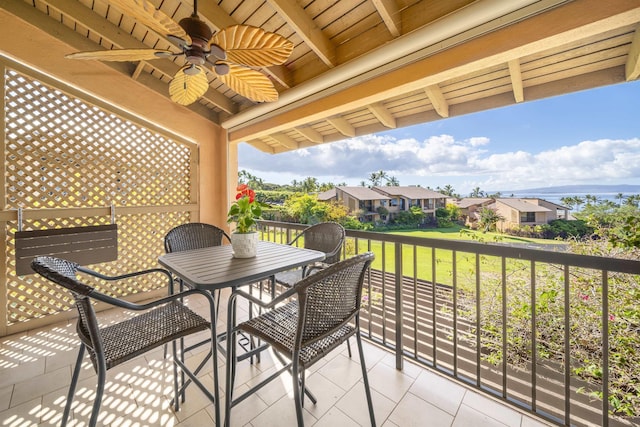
(230,53)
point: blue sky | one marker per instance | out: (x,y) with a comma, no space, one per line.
(588,137)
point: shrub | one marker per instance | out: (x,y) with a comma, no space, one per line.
(585,300)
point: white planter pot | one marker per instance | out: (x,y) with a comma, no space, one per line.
(245,245)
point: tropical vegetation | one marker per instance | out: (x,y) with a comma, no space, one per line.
(601,227)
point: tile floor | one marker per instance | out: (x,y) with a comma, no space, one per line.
(36,367)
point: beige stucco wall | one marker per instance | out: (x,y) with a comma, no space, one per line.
(27,44)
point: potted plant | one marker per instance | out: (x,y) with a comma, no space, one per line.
(245,212)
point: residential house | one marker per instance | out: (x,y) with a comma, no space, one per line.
(362,202)
(470,208)
(518,212)
(402,198)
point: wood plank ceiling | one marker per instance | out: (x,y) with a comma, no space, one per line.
(364,66)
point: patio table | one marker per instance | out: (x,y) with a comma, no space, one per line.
(215,268)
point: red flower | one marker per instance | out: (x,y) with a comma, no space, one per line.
(246,210)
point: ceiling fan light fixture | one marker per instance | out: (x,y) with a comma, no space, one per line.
(189,84)
(192,70)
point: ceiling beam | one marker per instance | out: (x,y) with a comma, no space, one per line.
(304,26)
(285,140)
(342,126)
(262,146)
(632,69)
(383,115)
(390,14)
(311,134)
(438,100)
(105,29)
(516,80)
(138,70)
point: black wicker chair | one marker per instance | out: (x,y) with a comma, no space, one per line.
(304,324)
(162,321)
(194,235)
(327,237)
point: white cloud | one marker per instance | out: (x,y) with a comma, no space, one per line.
(437,158)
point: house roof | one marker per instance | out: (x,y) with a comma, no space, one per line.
(363,193)
(357,67)
(522,205)
(410,192)
(548,203)
(327,195)
(471,201)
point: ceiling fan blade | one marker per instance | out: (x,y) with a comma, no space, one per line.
(145,12)
(186,87)
(250,83)
(122,55)
(253,46)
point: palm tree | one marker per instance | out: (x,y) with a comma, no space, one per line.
(620,197)
(477,192)
(252,181)
(448,190)
(392,181)
(591,199)
(488,219)
(309,185)
(377,177)
(632,200)
(568,201)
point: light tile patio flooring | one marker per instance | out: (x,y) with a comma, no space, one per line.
(36,367)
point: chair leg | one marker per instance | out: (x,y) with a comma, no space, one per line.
(72,387)
(231,362)
(365,379)
(297,395)
(102,374)
(176,400)
(302,378)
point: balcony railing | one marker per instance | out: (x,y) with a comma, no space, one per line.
(507,320)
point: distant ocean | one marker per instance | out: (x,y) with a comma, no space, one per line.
(556,197)
(556,193)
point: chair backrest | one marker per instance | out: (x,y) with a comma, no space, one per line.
(327,237)
(63,273)
(330,298)
(193,235)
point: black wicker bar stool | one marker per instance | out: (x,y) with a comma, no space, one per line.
(161,321)
(303,325)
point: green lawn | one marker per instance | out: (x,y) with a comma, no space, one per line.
(444,259)
(462,233)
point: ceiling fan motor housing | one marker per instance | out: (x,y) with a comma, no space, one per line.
(199,32)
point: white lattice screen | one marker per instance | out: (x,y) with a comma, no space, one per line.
(63,153)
